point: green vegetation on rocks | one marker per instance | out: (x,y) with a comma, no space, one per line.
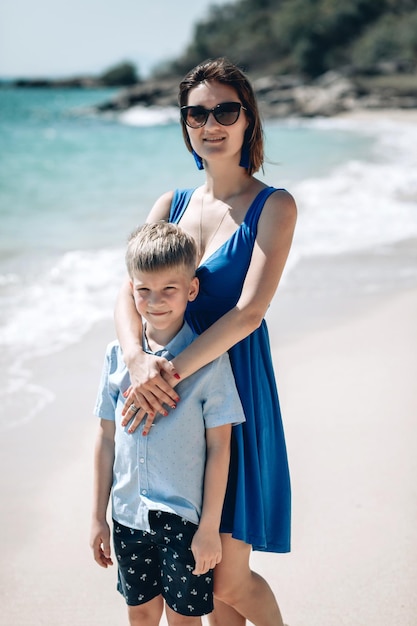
(306,37)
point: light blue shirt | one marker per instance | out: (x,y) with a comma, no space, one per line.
(165,470)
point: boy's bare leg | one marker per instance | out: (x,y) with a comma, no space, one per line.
(175,619)
(148,614)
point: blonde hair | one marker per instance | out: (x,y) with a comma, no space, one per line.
(160,245)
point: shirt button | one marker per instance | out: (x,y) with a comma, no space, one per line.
(144,492)
(141,460)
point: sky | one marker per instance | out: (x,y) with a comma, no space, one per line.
(61,38)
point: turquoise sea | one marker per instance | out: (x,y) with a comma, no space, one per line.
(74,184)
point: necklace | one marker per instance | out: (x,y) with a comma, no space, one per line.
(214,233)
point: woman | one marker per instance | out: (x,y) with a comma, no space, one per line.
(244,231)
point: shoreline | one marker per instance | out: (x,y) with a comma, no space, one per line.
(319,293)
(348,399)
(368,114)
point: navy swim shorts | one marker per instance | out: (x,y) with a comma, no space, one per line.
(161,562)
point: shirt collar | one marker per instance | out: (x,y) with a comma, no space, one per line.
(181,340)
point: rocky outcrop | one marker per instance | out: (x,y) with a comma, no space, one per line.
(279,96)
(154,92)
(283,96)
(288,96)
(77,82)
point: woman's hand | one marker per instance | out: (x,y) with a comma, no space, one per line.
(152,385)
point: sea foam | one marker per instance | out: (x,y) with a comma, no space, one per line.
(361,204)
(146,116)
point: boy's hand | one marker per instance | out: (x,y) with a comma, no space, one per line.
(206,547)
(100,543)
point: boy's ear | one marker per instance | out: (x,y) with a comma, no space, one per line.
(193,291)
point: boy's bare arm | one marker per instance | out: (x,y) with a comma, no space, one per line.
(206,544)
(103,477)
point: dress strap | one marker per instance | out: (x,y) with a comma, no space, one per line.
(181,199)
(179,203)
(253,213)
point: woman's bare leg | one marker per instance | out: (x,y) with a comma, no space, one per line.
(245,591)
(224,614)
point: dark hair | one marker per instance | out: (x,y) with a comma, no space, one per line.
(223,71)
(160,245)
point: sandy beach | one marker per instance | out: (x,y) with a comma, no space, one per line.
(349,399)
(346,364)
(369,115)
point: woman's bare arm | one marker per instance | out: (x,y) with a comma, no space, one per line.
(273,242)
(145,369)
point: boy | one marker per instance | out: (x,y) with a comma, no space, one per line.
(167,486)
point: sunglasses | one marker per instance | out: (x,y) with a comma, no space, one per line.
(225,114)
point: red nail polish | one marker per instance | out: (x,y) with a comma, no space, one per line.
(177,376)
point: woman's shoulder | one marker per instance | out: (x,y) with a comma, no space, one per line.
(161,207)
(279,213)
(282,203)
(170,199)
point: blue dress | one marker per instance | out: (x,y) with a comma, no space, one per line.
(257,506)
